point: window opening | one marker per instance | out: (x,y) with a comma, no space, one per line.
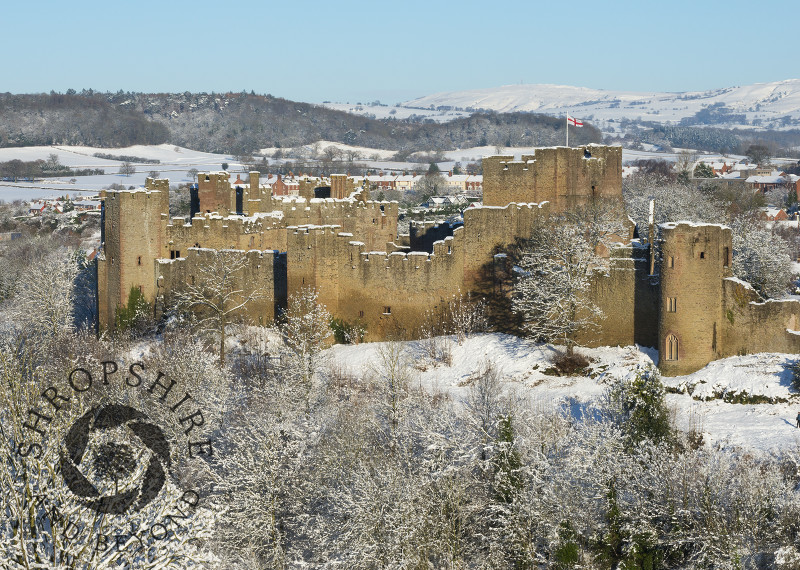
(672,347)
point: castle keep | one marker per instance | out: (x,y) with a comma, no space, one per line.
(348,249)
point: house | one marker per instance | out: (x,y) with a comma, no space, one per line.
(765,183)
(438,202)
(772,214)
(86,205)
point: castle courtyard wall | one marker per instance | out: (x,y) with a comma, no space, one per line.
(751,326)
(260,271)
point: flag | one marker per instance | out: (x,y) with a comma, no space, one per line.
(574,122)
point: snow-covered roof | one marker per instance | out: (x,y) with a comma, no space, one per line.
(673,225)
(765,180)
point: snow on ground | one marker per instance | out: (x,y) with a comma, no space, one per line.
(698,400)
(309,150)
(174,164)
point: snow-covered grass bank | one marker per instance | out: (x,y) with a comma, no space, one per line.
(744,401)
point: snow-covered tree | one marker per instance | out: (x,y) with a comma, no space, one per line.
(44,298)
(761,257)
(306,331)
(551,290)
(674,201)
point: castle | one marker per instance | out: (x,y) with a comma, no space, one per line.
(347,247)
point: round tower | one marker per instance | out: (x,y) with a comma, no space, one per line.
(694,260)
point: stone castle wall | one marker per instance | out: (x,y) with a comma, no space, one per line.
(385,292)
(750,326)
(261,271)
(628,298)
(347,250)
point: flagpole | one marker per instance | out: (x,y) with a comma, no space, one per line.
(567,129)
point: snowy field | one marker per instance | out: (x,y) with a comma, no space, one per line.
(703,401)
(174,164)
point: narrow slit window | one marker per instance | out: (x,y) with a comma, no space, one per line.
(672,306)
(387,310)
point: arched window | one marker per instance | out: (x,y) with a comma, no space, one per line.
(671,348)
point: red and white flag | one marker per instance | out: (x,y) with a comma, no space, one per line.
(574,122)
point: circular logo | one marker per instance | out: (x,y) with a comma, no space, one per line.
(114,459)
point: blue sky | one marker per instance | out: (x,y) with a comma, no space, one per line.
(353,51)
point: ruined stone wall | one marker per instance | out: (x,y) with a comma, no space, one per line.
(374,223)
(388,293)
(135,235)
(341,186)
(262,273)
(313,259)
(628,299)
(564,176)
(695,260)
(486,228)
(750,326)
(422,234)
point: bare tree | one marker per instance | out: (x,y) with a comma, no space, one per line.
(43,305)
(432,184)
(127,168)
(217,295)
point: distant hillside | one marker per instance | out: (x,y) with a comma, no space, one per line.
(241,122)
(763,105)
(29,120)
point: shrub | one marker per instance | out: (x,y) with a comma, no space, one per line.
(136,316)
(794,368)
(641,409)
(569,364)
(347,333)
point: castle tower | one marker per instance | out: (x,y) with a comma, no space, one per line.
(565,177)
(695,259)
(135,235)
(215,192)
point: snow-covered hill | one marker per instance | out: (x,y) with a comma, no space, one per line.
(772,105)
(739,402)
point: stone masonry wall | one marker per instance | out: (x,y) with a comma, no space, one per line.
(262,271)
(134,238)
